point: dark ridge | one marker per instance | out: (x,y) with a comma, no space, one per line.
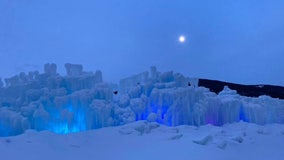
(244,90)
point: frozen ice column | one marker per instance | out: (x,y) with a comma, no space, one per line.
(74,70)
(50,69)
(1,83)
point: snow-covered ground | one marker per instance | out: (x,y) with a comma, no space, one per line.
(145,140)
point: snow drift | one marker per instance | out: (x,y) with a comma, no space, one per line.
(82,101)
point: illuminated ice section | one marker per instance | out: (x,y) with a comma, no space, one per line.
(74,120)
(82,101)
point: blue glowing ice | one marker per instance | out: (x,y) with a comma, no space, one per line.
(4,131)
(242,115)
(75,123)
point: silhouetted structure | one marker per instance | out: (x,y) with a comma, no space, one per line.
(244,90)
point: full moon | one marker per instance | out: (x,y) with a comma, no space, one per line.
(181,39)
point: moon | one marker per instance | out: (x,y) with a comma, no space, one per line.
(181,39)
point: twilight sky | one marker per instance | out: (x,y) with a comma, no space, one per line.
(239,41)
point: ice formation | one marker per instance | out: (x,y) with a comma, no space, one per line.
(82,101)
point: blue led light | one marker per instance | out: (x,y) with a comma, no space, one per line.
(169,121)
(242,115)
(154,107)
(64,128)
(209,119)
(144,115)
(70,108)
(6,130)
(78,122)
(3,131)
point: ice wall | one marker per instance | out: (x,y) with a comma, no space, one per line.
(81,101)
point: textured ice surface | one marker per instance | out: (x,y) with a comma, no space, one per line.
(82,101)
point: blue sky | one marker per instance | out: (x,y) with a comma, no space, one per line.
(239,41)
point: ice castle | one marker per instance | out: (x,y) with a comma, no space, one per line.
(82,101)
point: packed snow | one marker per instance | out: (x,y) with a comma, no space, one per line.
(152,141)
(81,101)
